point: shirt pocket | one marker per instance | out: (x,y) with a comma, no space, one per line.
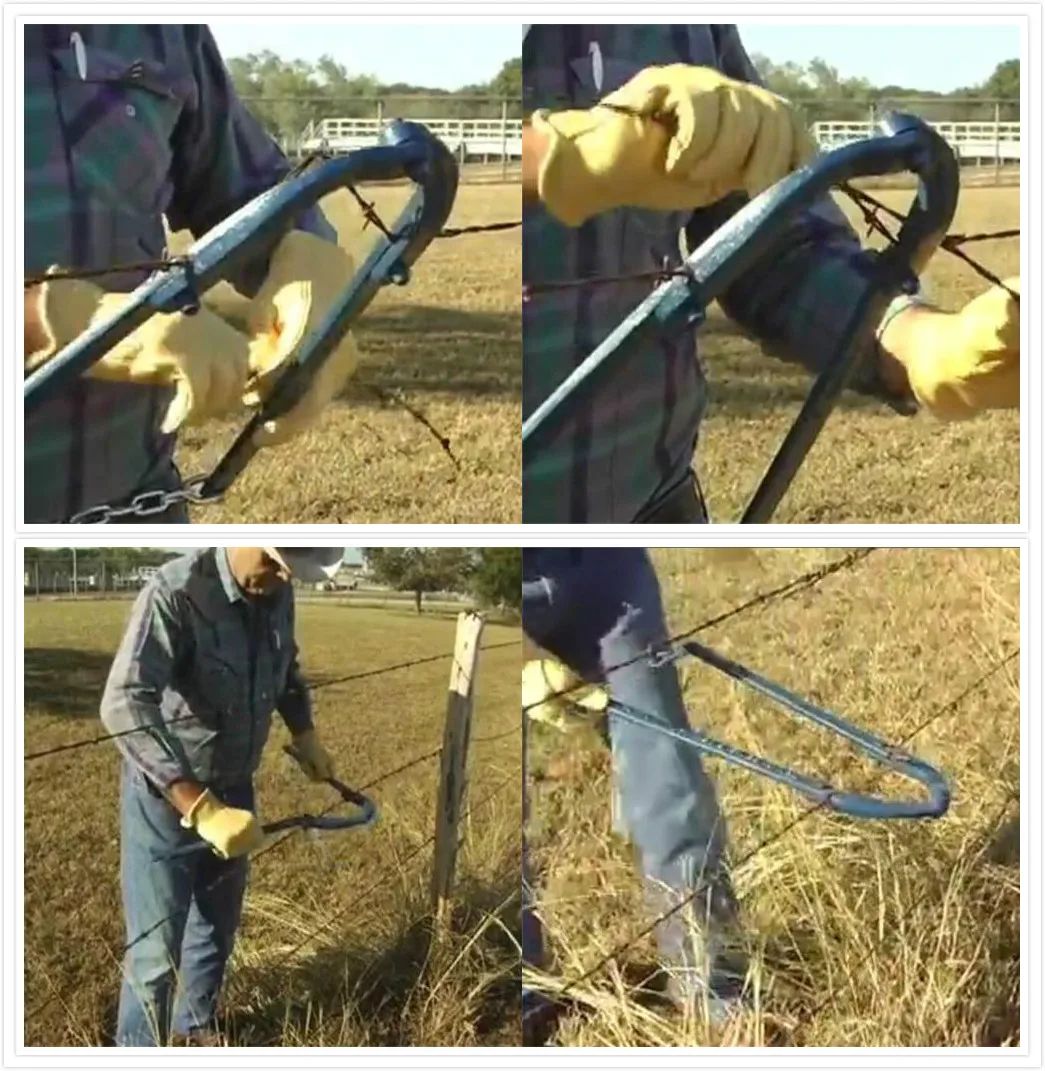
(118,119)
(218,688)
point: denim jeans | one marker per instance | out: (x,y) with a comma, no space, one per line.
(181,917)
(595,609)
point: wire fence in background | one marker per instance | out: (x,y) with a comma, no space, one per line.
(483,133)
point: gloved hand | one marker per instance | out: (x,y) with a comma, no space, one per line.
(970,361)
(230,831)
(311,756)
(306,275)
(543,679)
(701,136)
(201,356)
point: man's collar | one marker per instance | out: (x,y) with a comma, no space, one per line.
(230,584)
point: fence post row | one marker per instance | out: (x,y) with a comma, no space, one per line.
(453,762)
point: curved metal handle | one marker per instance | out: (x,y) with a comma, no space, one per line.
(409,151)
(906,144)
(366,816)
(855,804)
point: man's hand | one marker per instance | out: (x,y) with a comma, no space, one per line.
(550,690)
(230,831)
(684,137)
(958,364)
(306,275)
(311,756)
(201,357)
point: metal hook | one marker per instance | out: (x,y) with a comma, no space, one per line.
(854,804)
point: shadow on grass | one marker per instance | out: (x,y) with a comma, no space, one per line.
(65,682)
(376,996)
(420,347)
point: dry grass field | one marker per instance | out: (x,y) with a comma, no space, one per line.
(861,933)
(449,344)
(333,948)
(869,466)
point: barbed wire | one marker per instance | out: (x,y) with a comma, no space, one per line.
(623,947)
(317,686)
(869,207)
(792,587)
(281,840)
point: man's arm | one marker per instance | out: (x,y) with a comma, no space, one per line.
(131,702)
(223,157)
(797,302)
(294,705)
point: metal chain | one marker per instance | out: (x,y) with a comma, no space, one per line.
(146,504)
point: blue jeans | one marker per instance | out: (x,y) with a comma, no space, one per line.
(594,609)
(181,916)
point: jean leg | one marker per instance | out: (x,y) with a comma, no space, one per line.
(157,894)
(217,906)
(603,609)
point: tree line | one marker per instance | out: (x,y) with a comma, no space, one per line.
(819,86)
(286,95)
(491,575)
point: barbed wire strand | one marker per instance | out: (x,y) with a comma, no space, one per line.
(948,707)
(317,686)
(869,207)
(984,840)
(414,852)
(792,587)
(281,840)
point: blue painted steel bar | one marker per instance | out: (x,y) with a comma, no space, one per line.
(907,144)
(854,804)
(366,816)
(409,151)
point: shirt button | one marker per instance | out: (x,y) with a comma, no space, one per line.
(131,111)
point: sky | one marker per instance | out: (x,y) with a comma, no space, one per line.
(938,58)
(440,56)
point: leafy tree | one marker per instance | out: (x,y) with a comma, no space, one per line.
(286,95)
(497,579)
(421,570)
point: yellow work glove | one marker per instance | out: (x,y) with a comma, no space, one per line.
(543,682)
(306,275)
(230,831)
(311,756)
(201,357)
(971,362)
(700,137)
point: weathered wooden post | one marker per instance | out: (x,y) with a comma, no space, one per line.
(456,734)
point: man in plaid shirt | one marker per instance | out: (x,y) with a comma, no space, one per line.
(126,125)
(606,193)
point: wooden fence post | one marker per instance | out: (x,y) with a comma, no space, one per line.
(456,734)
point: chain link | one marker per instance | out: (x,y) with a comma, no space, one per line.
(146,504)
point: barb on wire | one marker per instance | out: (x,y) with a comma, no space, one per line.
(394,398)
(946,708)
(871,207)
(362,675)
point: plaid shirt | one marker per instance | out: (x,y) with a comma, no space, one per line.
(635,439)
(206,665)
(125,125)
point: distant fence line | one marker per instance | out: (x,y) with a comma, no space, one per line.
(61,578)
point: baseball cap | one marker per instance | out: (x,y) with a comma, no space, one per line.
(311,564)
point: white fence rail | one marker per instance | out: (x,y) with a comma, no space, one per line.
(994,142)
(467,139)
